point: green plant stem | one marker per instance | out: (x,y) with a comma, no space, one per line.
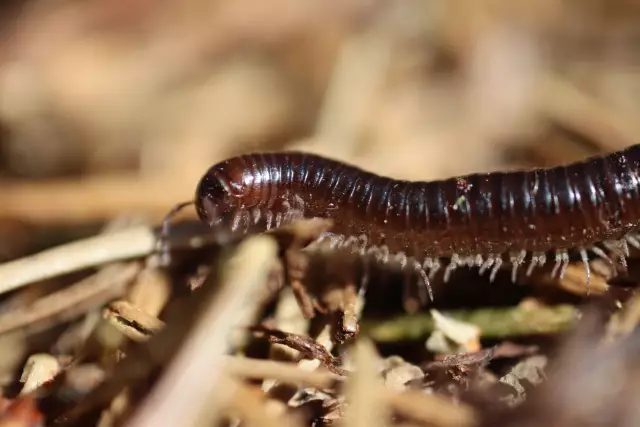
(494,322)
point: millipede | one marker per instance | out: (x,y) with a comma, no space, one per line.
(590,208)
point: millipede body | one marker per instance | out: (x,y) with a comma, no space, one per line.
(484,220)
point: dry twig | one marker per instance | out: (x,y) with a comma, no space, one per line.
(200,361)
(366,404)
(76,256)
(133,322)
(103,198)
(60,306)
(249,405)
(307,346)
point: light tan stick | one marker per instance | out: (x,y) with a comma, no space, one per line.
(74,300)
(189,385)
(76,256)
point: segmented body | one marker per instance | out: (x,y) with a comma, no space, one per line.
(485,220)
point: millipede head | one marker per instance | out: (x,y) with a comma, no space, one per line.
(219,192)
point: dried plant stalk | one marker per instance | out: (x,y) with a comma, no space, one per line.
(75,299)
(190,383)
(76,256)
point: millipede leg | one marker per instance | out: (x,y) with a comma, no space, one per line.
(298,203)
(376,253)
(532,265)
(633,241)
(364,282)
(256,214)
(269,220)
(542,259)
(496,267)
(350,243)
(362,244)
(625,247)
(362,251)
(372,251)
(478,261)
(587,268)
(435,269)
(623,258)
(565,263)
(554,272)
(453,264)
(602,254)
(292,215)
(621,249)
(237,218)
(432,266)
(384,254)
(336,241)
(487,263)
(401,257)
(467,261)
(246,219)
(426,284)
(516,261)
(537,259)
(163,241)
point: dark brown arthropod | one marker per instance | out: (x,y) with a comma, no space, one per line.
(483,220)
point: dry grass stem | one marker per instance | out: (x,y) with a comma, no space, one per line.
(415,405)
(281,371)
(39,369)
(117,407)
(199,363)
(574,281)
(151,291)
(625,321)
(92,292)
(365,406)
(307,347)
(429,409)
(248,404)
(103,198)
(356,80)
(132,321)
(140,326)
(579,111)
(76,256)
